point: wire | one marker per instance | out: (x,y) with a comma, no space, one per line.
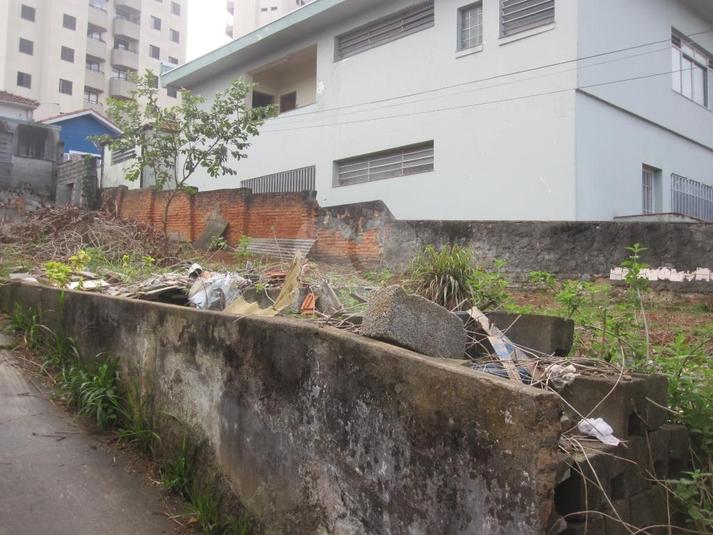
(492,86)
(494,77)
(478,104)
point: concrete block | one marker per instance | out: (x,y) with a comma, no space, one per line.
(623,405)
(580,492)
(546,334)
(678,445)
(659,451)
(415,323)
(6,342)
(614,526)
(648,509)
(593,525)
(656,398)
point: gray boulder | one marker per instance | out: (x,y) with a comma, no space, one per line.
(414,322)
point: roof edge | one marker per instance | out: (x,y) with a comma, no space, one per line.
(80,113)
(177,76)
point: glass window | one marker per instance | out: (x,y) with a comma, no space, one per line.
(69,22)
(65,87)
(27,13)
(27,46)
(689,68)
(470,22)
(24,80)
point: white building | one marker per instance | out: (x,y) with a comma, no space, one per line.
(70,55)
(486,110)
(249,15)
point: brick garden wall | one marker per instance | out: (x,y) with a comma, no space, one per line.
(366,235)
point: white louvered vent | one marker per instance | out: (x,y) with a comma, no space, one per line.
(521,15)
(388,164)
(385,30)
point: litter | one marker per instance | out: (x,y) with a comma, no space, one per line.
(560,376)
(88,286)
(505,350)
(599,429)
(309,304)
(215,292)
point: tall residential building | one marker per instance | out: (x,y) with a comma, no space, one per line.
(72,54)
(248,15)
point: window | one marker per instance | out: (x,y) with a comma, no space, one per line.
(651,189)
(99,4)
(93,64)
(94,33)
(521,15)
(288,102)
(121,44)
(155,23)
(172,60)
(691,77)
(69,22)
(691,198)
(90,96)
(120,74)
(27,46)
(31,142)
(65,87)
(27,13)
(175,36)
(154,52)
(385,30)
(24,79)
(262,100)
(176,8)
(470,26)
(393,163)
(123,156)
(172,92)
(67,54)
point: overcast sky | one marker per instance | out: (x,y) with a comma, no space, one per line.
(206,26)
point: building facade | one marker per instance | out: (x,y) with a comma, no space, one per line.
(71,55)
(249,15)
(486,110)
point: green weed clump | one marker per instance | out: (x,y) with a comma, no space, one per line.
(451,278)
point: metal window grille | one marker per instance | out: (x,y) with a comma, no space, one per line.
(394,163)
(691,198)
(520,15)
(647,182)
(471,26)
(385,30)
(295,180)
(123,156)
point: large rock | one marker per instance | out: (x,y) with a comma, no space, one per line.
(415,323)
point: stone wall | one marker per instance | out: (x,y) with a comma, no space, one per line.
(367,236)
(321,431)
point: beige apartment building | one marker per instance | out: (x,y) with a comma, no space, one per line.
(71,55)
(248,15)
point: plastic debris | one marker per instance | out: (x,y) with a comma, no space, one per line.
(506,351)
(599,429)
(560,376)
(216,292)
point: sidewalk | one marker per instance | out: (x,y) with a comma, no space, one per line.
(57,479)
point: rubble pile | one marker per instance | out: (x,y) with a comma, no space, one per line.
(58,233)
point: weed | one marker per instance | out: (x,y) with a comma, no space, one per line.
(489,289)
(58,273)
(137,424)
(218,243)
(242,251)
(98,396)
(206,508)
(694,497)
(260,288)
(79,261)
(176,473)
(543,279)
(379,278)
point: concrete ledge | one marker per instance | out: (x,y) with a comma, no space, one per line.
(321,431)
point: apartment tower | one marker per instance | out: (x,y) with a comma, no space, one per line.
(71,55)
(248,15)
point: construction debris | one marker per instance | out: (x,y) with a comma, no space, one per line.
(216,292)
(414,322)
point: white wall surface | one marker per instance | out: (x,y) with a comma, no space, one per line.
(501,151)
(612,147)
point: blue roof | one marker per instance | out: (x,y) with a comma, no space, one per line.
(78,127)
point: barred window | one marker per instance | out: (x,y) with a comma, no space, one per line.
(521,15)
(692,198)
(385,30)
(393,163)
(294,180)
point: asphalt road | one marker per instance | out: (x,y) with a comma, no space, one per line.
(57,479)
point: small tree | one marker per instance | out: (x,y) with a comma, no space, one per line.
(175,142)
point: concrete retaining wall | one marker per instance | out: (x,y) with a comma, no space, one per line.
(320,431)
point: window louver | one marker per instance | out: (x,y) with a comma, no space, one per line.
(295,180)
(385,30)
(520,15)
(388,164)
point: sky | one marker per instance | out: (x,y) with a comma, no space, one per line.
(206,26)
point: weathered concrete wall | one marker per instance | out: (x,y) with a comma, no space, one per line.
(320,431)
(77,182)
